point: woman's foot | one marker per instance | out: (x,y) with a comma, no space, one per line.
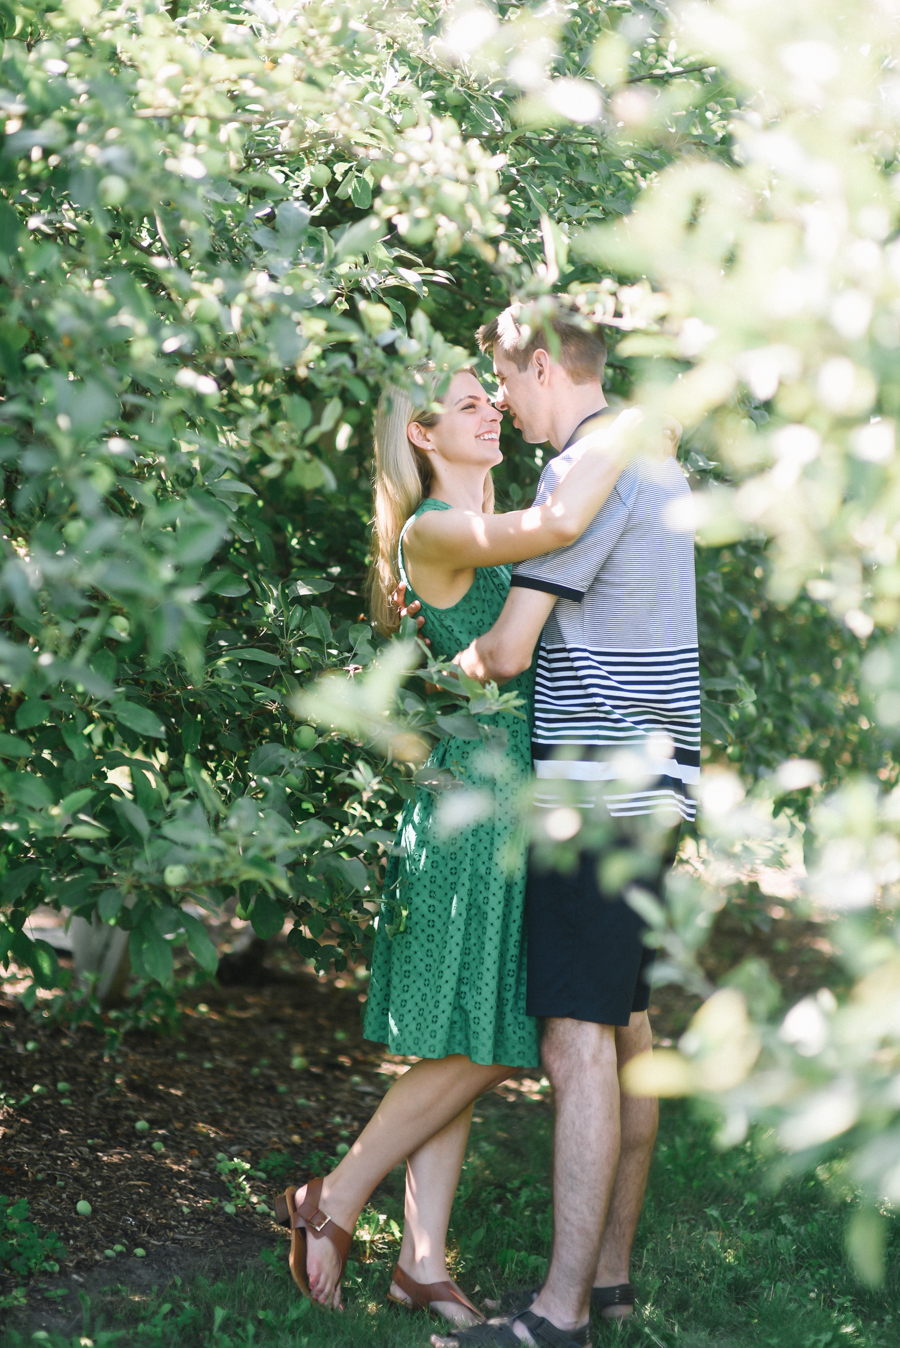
(423,1278)
(323,1262)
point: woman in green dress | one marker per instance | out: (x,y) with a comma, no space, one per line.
(448,973)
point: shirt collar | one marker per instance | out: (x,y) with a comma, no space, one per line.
(592,416)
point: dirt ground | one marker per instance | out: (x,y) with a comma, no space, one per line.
(137,1135)
(276,1076)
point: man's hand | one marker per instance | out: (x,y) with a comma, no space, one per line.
(398,599)
(672,432)
(471,663)
(505,650)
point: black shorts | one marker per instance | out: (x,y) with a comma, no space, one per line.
(586,955)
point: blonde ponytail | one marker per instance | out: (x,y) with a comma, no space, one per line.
(402,482)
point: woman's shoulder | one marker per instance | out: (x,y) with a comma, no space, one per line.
(430,503)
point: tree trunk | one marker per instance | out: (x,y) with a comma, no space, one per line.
(100,949)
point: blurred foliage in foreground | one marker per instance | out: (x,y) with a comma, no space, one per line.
(221,235)
(778,279)
(222,231)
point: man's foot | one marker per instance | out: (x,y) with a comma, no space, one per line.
(526,1328)
(516,1299)
(453,1340)
(613,1302)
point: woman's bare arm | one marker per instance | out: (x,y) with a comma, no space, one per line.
(456,539)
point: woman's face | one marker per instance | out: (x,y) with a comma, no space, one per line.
(468,432)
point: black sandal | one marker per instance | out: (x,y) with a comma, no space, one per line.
(623,1294)
(490,1334)
(516,1299)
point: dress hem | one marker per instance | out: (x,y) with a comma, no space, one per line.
(451,1053)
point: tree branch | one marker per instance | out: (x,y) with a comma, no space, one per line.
(668,74)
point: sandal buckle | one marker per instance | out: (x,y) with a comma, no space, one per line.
(311,1222)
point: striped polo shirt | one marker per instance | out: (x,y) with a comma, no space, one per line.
(617,691)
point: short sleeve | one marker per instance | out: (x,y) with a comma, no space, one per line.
(568,572)
(550,479)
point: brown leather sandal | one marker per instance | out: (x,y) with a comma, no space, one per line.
(308,1220)
(422,1294)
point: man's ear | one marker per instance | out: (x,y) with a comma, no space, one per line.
(419,437)
(540,361)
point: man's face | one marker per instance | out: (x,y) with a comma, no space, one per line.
(524,395)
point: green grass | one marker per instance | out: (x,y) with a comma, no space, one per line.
(24,1248)
(722,1260)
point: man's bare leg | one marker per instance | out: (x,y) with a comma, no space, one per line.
(603,1144)
(579,1057)
(639,1118)
(580,1060)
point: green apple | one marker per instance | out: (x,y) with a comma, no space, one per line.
(305,737)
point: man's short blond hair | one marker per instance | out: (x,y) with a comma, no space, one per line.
(582,351)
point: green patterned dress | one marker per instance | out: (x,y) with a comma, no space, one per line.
(452,980)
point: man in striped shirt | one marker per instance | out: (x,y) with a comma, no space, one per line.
(616,746)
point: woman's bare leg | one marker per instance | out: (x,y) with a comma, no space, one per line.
(432,1175)
(419,1104)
